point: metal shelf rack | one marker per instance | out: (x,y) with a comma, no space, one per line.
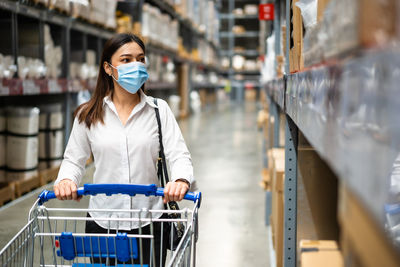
(348,121)
(230,39)
(348,112)
(74,33)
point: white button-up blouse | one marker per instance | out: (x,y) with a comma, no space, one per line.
(126,154)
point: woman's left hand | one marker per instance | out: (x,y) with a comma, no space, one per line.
(175,191)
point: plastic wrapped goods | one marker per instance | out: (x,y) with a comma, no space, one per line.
(31,68)
(52,55)
(7,66)
(251,9)
(2,146)
(51,136)
(308,12)
(22,142)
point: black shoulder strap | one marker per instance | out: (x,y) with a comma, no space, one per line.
(162,165)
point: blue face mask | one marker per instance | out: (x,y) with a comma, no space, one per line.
(131,76)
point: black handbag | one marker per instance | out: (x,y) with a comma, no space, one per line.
(174,230)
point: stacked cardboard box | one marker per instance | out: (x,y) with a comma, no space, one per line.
(320,253)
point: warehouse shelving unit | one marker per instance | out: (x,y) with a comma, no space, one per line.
(341,122)
(23,30)
(190,34)
(248,39)
(73,35)
(70,33)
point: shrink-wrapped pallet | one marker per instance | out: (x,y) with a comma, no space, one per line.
(22,143)
(51,137)
(2,146)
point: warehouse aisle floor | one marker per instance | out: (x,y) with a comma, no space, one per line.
(226,152)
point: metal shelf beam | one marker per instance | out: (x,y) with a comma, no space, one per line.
(246,53)
(51,16)
(248,34)
(235,16)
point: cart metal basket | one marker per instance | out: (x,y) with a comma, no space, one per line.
(56,236)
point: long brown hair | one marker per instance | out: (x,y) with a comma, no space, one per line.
(92,111)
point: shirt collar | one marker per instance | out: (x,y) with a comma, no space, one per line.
(144,99)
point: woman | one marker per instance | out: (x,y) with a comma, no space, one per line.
(118,126)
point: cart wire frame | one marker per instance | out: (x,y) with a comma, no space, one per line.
(50,239)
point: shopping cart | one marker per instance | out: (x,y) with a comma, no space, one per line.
(56,236)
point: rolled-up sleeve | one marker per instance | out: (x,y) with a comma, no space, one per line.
(175,149)
(76,154)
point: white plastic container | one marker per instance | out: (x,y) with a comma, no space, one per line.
(2,146)
(22,142)
(51,136)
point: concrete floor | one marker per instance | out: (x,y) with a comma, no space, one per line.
(226,152)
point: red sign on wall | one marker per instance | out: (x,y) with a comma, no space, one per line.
(266,12)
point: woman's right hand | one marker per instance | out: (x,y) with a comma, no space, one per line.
(66,190)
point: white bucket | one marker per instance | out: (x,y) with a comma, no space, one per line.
(22,142)
(51,134)
(2,146)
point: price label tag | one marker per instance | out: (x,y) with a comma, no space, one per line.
(30,88)
(54,87)
(4,90)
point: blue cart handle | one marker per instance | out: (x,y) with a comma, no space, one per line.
(112,189)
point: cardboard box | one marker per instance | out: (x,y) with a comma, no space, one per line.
(283,40)
(320,253)
(266,180)
(321,5)
(262,118)
(318,245)
(398,19)
(363,239)
(273,154)
(316,196)
(297,35)
(377,23)
(279,173)
(277,217)
(277,160)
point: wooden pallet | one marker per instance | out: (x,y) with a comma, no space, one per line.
(25,186)
(49,175)
(59,9)
(7,192)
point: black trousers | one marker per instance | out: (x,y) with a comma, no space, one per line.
(93,227)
